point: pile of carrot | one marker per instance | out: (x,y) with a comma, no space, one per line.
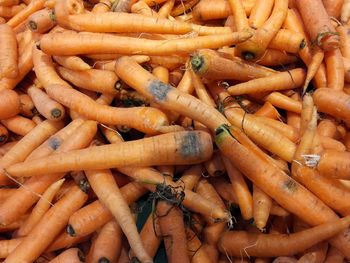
(229,120)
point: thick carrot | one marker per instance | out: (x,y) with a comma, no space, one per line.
(282,101)
(107,245)
(240,189)
(209,64)
(40,237)
(318,24)
(9,104)
(262,204)
(103,184)
(255,47)
(72,62)
(8,53)
(334,164)
(41,21)
(40,209)
(345,12)
(47,107)
(333,8)
(26,195)
(33,6)
(72,255)
(19,125)
(269,111)
(260,13)
(239,243)
(196,250)
(279,81)
(99,43)
(335,69)
(102,81)
(4,134)
(172,229)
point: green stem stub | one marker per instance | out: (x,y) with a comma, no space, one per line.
(197,62)
(220,133)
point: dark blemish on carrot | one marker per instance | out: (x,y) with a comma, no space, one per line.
(190,145)
(70,230)
(103,260)
(54,143)
(159,90)
(81,256)
(3,138)
(291,185)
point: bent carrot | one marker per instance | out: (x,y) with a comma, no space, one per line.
(8,53)
(9,104)
(72,62)
(262,204)
(239,243)
(99,43)
(47,107)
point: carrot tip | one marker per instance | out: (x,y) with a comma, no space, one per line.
(104,260)
(56,113)
(70,230)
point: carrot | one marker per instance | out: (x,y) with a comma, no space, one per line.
(332,161)
(335,69)
(260,13)
(344,40)
(240,189)
(93,216)
(333,8)
(345,12)
(9,2)
(73,255)
(334,255)
(31,8)
(255,47)
(19,125)
(8,245)
(102,81)
(262,204)
(9,104)
(10,11)
(318,24)
(102,6)
(30,191)
(215,166)
(41,21)
(51,224)
(313,66)
(4,134)
(40,209)
(8,54)
(142,8)
(164,10)
(239,243)
(209,10)
(330,143)
(47,107)
(333,102)
(72,62)
(208,64)
(103,184)
(107,245)
(196,250)
(279,100)
(172,230)
(201,90)
(268,110)
(183,7)
(280,81)
(27,106)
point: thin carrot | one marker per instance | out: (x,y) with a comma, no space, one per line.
(51,224)
(239,15)
(279,100)
(107,245)
(9,2)
(239,243)
(313,66)
(27,106)
(9,104)
(330,143)
(102,6)
(40,209)
(33,6)
(182,8)
(142,8)
(41,21)
(73,255)
(97,43)
(72,62)
(260,13)
(103,184)
(47,107)
(318,24)
(262,204)
(8,54)
(19,125)
(269,111)
(280,81)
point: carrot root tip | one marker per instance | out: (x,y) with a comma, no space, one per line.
(70,230)
(118,86)
(56,113)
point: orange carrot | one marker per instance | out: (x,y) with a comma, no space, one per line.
(334,255)
(41,21)
(262,204)
(72,62)
(19,125)
(9,104)
(165,9)
(33,6)
(215,166)
(4,134)
(102,6)
(73,255)
(27,106)
(313,67)
(268,110)
(10,11)
(8,53)
(334,164)
(279,100)
(335,69)
(345,12)
(333,8)
(260,13)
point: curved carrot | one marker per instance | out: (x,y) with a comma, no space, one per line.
(288,41)
(164,10)
(268,110)
(72,255)
(196,250)
(240,243)
(9,104)
(279,100)
(97,43)
(40,209)
(51,224)
(47,107)
(260,13)
(27,106)
(8,53)
(19,125)
(41,21)
(107,245)
(215,166)
(239,15)
(33,6)
(313,67)
(72,62)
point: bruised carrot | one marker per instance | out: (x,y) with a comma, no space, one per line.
(9,104)
(47,107)
(19,125)
(239,243)
(52,223)
(41,21)
(318,24)
(73,255)
(102,81)
(107,245)
(99,43)
(8,53)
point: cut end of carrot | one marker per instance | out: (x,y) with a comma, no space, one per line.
(70,230)
(247,55)
(197,63)
(56,113)
(106,260)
